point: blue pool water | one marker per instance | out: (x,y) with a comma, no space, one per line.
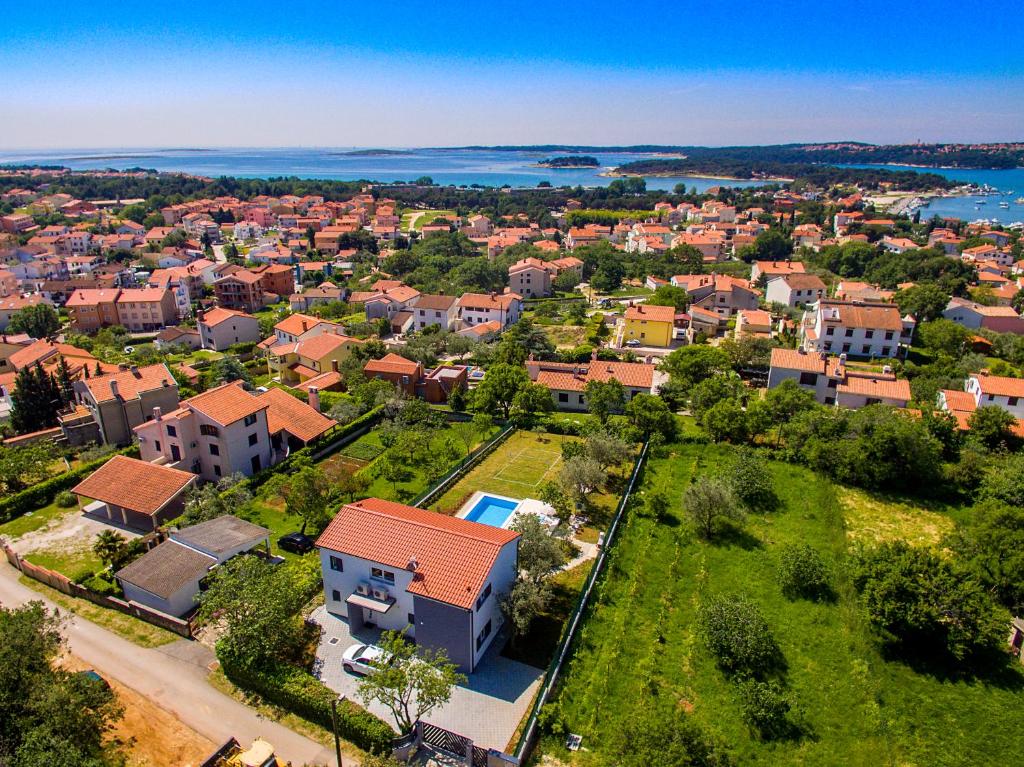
(491,511)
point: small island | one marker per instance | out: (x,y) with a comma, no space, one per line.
(373,152)
(571,161)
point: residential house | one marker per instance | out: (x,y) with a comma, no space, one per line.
(833,382)
(292,423)
(481,308)
(430,310)
(145,309)
(972,315)
(90,309)
(298,361)
(120,401)
(178,335)
(215,434)
(718,292)
(857,328)
(220,328)
(795,289)
(389,301)
(437,578)
(568,381)
(753,322)
(529,278)
(167,578)
(135,494)
(324,293)
(241,290)
(650,325)
(771,269)
(1000,391)
(13,304)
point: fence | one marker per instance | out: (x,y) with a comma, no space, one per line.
(528,739)
(462,469)
(63,584)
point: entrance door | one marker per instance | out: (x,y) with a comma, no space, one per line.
(255,464)
(175,453)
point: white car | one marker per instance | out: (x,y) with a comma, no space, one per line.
(360,659)
(632,342)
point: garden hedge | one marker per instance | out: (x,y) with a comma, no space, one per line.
(45,492)
(303,694)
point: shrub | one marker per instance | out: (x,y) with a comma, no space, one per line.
(303,694)
(66,499)
(765,708)
(737,635)
(802,572)
(751,481)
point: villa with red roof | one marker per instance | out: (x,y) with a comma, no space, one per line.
(435,577)
(568,381)
(220,328)
(120,401)
(833,382)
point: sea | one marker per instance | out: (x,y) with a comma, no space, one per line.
(469,167)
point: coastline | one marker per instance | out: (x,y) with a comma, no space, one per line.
(615,173)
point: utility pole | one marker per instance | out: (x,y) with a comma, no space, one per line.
(334,728)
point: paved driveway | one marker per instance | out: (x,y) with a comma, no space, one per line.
(487,709)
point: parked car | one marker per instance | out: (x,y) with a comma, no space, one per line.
(632,342)
(93,676)
(359,659)
(296,543)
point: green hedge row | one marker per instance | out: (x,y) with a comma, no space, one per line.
(303,694)
(45,492)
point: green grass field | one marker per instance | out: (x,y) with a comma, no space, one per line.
(517,469)
(415,219)
(859,707)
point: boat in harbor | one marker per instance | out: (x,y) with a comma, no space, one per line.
(1019,201)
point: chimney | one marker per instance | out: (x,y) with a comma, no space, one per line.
(314,398)
(158,413)
(593,355)
(114,390)
(135,371)
(122,366)
(200,313)
(413,563)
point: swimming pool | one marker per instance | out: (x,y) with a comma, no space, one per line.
(491,510)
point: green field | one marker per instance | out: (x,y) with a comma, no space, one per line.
(517,469)
(415,219)
(857,706)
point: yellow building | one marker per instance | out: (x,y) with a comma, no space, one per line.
(650,325)
(299,361)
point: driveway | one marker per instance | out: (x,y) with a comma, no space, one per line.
(73,532)
(487,709)
(173,677)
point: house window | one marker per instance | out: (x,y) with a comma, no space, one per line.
(885,351)
(250,419)
(253,439)
(336,564)
(156,444)
(214,450)
(832,383)
(216,469)
(411,618)
(849,332)
(483,596)
(208,430)
(869,334)
(888,335)
(563,396)
(172,432)
(1012,402)
(335,595)
(482,636)
(808,379)
(382,575)
(865,349)
(830,331)
(846,348)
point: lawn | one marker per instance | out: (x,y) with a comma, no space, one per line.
(874,518)
(859,707)
(31,521)
(415,219)
(566,336)
(125,626)
(517,469)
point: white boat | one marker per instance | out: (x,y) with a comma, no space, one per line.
(1004,205)
(980,202)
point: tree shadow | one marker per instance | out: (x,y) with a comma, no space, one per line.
(992,666)
(729,535)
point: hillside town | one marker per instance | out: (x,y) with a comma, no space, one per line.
(322,437)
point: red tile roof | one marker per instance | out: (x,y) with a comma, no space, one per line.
(651,313)
(226,403)
(1001,386)
(130,383)
(219,314)
(454,556)
(287,413)
(392,363)
(133,484)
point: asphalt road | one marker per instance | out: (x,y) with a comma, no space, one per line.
(174,677)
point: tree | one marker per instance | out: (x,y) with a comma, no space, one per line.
(708,503)
(526,600)
(990,543)
(36,400)
(802,572)
(531,399)
(770,245)
(498,390)
(581,476)
(944,336)
(258,605)
(215,500)
(992,427)
(670,295)
(391,469)
(1004,481)
(308,496)
(606,449)
(457,399)
(925,302)
(65,381)
(39,321)
(115,551)
(49,715)
(661,734)
(554,496)
(651,415)
(689,365)
(923,601)
(725,420)
(25,465)
(765,708)
(228,369)
(604,398)
(737,634)
(408,683)
(750,479)
(540,552)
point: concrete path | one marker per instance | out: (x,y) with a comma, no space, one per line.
(174,677)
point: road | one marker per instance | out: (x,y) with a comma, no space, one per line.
(174,677)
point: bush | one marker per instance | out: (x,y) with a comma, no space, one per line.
(66,499)
(751,481)
(303,694)
(102,586)
(802,572)
(737,635)
(765,709)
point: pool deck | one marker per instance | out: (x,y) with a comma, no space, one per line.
(522,506)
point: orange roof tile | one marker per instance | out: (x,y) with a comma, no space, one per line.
(1001,386)
(651,313)
(392,363)
(129,383)
(226,403)
(219,314)
(134,484)
(287,413)
(454,556)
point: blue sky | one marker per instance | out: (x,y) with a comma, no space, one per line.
(103,74)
